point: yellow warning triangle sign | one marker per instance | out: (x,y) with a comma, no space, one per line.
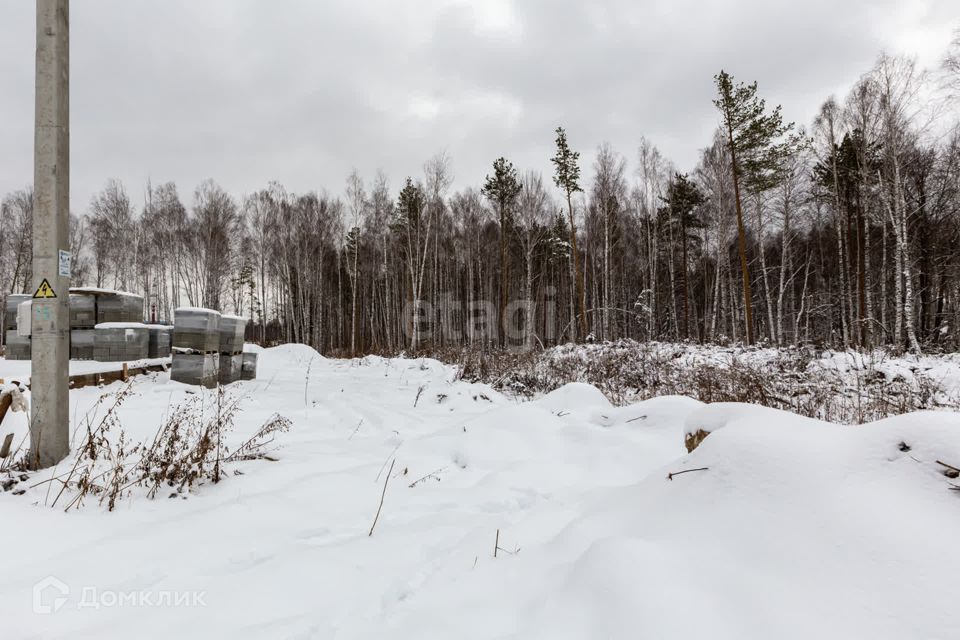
(45,290)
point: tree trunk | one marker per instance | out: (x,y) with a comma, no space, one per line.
(742,244)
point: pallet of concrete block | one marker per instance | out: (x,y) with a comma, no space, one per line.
(82,343)
(10,310)
(106,305)
(196,330)
(120,341)
(248,367)
(18,347)
(113,306)
(232,331)
(161,340)
(200,369)
(133,307)
(83,310)
(110,308)
(231,366)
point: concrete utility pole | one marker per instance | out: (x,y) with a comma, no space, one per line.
(50,320)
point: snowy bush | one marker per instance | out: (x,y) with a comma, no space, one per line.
(187,451)
(846,387)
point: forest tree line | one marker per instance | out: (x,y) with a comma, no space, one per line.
(844,234)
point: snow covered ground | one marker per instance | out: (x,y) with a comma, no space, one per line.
(794,528)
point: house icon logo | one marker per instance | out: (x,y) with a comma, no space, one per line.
(49,595)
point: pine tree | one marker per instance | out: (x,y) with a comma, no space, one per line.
(758,143)
(502,189)
(683,198)
(567,178)
(411,211)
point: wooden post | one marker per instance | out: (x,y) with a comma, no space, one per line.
(5,402)
(5,447)
(125,374)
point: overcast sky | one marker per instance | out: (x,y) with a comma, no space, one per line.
(303,91)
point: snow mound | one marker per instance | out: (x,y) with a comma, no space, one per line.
(792,529)
(574,396)
(711,417)
(656,413)
(287,355)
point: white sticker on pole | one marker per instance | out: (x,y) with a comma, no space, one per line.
(65,260)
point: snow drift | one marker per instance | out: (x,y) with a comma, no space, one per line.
(791,527)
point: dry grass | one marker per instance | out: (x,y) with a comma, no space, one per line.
(187,451)
(629,372)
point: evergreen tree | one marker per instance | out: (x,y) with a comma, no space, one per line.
(502,189)
(567,178)
(758,142)
(683,200)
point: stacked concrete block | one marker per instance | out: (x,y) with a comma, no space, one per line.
(18,347)
(232,330)
(82,344)
(110,308)
(196,330)
(120,341)
(195,368)
(83,311)
(133,308)
(161,340)
(115,306)
(196,346)
(248,368)
(230,367)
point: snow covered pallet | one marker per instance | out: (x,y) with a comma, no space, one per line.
(232,329)
(196,330)
(117,306)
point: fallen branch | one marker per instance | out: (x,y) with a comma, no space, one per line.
(677,473)
(951,472)
(432,474)
(382,496)
(497,547)
(355,430)
(384,465)
(944,464)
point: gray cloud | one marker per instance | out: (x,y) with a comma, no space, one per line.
(248,91)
